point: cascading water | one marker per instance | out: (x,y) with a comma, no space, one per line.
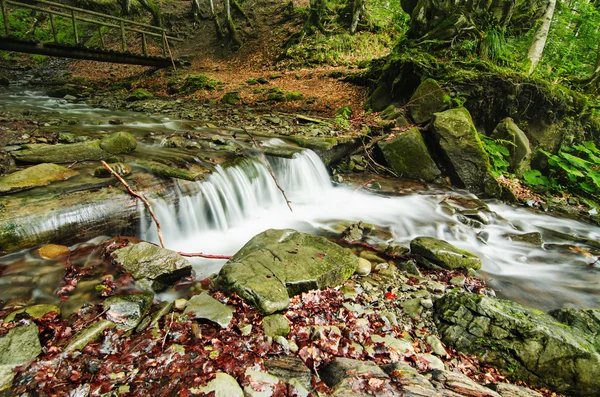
(221,214)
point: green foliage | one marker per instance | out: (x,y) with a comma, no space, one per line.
(343,114)
(492,46)
(535,178)
(195,82)
(497,153)
(139,95)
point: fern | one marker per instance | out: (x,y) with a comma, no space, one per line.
(497,154)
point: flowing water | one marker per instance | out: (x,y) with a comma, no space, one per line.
(222,213)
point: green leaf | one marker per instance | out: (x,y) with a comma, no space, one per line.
(535,177)
(576,161)
(587,187)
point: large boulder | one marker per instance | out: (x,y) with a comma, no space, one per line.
(431,251)
(518,147)
(147,261)
(38,175)
(407,154)
(277,264)
(428,98)
(526,344)
(458,140)
(116,143)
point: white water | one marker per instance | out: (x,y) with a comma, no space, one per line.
(220,215)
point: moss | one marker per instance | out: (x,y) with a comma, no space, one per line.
(195,82)
(139,95)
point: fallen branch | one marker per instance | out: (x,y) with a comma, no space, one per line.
(363,185)
(136,194)
(201,255)
(266,163)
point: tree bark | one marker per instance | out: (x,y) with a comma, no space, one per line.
(233,35)
(215,19)
(539,39)
(126,5)
(154,9)
(357,10)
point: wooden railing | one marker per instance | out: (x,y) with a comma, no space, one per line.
(79,14)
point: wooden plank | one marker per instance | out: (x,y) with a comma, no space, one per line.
(5,17)
(53,28)
(75,34)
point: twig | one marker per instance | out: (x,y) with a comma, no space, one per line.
(363,185)
(167,333)
(169,48)
(201,255)
(266,163)
(136,194)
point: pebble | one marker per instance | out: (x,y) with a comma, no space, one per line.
(364,267)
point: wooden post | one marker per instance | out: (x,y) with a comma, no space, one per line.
(75,27)
(5,17)
(164,44)
(53,28)
(123,40)
(144,45)
(101,36)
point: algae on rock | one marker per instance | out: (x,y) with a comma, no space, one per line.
(38,175)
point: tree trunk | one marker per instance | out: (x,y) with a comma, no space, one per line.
(196,9)
(154,9)
(215,19)
(126,6)
(357,9)
(597,65)
(539,39)
(233,35)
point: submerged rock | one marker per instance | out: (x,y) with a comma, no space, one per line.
(35,311)
(458,139)
(277,264)
(148,261)
(89,334)
(38,175)
(407,154)
(53,251)
(205,307)
(429,98)
(526,344)
(117,143)
(443,254)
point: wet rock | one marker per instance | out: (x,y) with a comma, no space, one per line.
(458,140)
(519,147)
(4,82)
(35,311)
(353,233)
(276,325)
(443,254)
(277,264)
(525,343)
(364,267)
(585,320)
(508,390)
(231,98)
(61,92)
(174,142)
(117,143)
(222,385)
(413,383)
(19,346)
(148,261)
(343,368)
(288,368)
(195,173)
(38,175)
(89,334)
(262,384)
(428,98)
(408,155)
(533,238)
(205,307)
(53,251)
(126,311)
(121,169)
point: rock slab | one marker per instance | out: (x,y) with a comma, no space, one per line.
(277,264)
(443,254)
(526,343)
(205,307)
(38,175)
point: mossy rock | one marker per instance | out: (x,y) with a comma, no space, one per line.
(139,95)
(517,144)
(35,311)
(4,81)
(277,264)
(118,143)
(121,169)
(196,172)
(408,156)
(443,254)
(459,142)
(231,98)
(38,175)
(429,98)
(195,82)
(126,311)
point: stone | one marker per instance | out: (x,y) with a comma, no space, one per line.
(262,384)
(288,368)
(126,311)
(61,92)
(4,81)
(519,148)
(121,169)
(413,384)
(459,142)
(148,261)
(179,304)
(139,95)
(35,311)
(38,175)
(19,346)
(342,368)
(443,254)
(53,251)
(408,156)
(205,307)
(458,281)
(277,264)
(432,361)
(508,390)
(460,384)
(231,98)
(533,238)
(524,343)
(585,320)
(396,347)
(436,345)
(276,325)
(428,98)
(222,385)
(194,173)
(364,267)
(117,143)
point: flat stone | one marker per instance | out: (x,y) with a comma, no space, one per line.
(126,311)
(262,384)
(20,345)
(342,368)
(413,384)
(204,306)
(460,384)
(444,254)
(53,251)
(148,261)
(276,325)
(222,385)
(290,367)
(35,311)
(38,175)
(277,264)
(508,390)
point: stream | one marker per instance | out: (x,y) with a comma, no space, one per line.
(221,213)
